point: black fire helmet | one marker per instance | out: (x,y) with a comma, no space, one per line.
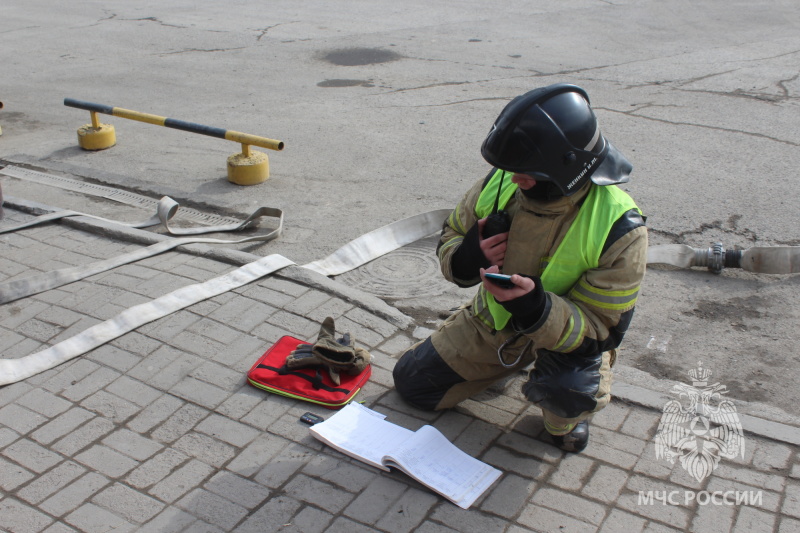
(552,134)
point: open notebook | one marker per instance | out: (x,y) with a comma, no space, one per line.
(426,455)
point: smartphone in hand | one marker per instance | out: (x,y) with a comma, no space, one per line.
(501,280)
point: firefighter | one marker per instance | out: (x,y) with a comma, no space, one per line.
(549,214)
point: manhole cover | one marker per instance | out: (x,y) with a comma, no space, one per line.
(410,272)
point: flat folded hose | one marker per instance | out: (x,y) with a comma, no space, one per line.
(354,254)
(166,209)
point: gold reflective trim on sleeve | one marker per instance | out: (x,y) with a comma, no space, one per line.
(604,299)
(455,221)
(576,326)
(452,242)
(481,310)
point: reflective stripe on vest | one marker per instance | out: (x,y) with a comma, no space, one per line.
(578,252)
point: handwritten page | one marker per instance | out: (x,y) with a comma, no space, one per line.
(361,433)
(426,455)
(434,461)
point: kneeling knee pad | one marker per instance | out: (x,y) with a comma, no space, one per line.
(563,384)
(422,377)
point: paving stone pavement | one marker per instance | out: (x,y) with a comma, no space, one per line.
(159,431)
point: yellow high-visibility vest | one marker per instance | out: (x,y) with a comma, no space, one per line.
(578,252)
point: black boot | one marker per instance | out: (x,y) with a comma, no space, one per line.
(574,441)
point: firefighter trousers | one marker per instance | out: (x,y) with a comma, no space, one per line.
(460,360)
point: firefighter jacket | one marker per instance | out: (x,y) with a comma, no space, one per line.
(586,317)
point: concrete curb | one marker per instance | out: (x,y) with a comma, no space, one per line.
(751,424)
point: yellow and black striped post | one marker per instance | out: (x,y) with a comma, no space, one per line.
(246,168)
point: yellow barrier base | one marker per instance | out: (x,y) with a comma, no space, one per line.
(100,138)
(248,169)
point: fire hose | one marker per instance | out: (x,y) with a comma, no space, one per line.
(760,259)
(352,255)
(770,260)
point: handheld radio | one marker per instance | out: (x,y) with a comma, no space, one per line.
(499,221)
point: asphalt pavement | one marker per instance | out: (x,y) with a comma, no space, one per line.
(382,107)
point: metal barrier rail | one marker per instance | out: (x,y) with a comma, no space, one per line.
(246,168)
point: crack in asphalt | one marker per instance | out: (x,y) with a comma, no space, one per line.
(458,102)
(738,93)
(263,31)
(782,84)
(431,86)
(202,50)
(730,227)
(704,126)
(12,30)
(156,20)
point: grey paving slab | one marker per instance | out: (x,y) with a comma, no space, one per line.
(159,431)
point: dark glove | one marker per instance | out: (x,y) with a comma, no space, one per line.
(468,259)
(528,308)
(336,355)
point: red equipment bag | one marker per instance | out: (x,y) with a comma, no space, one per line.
(312,384)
